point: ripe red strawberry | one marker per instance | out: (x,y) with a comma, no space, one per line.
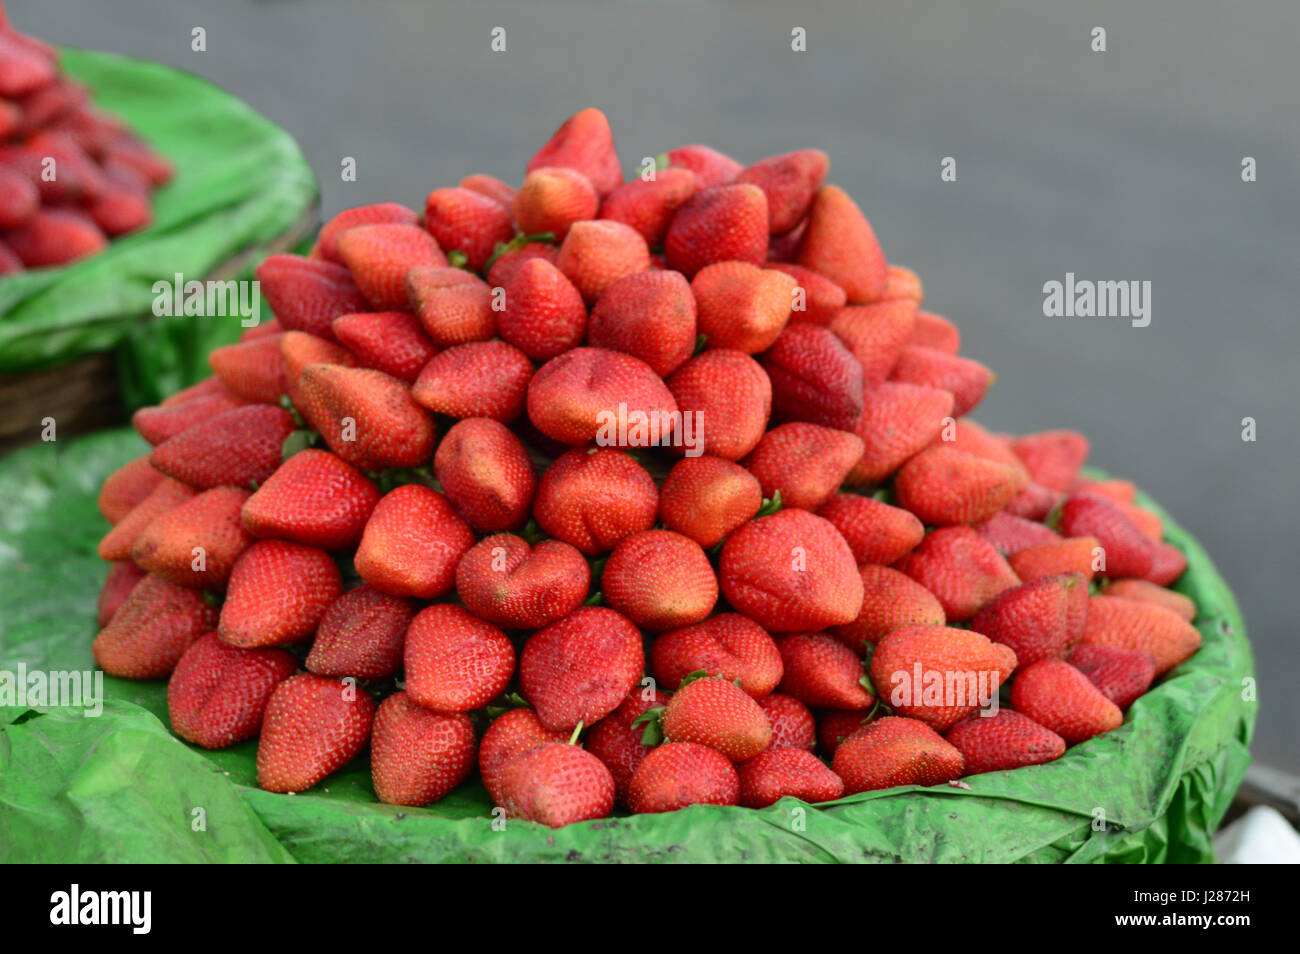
(805,463)
(711,167)
(368,418)
(616,741)
(313,498)
(596,254)
(418,756)
(166,495)
(505,581)
(789,182)
(361,634)
(453,305)
(1128,624)
(821,671)
(412,543)
(1053,457)
(648,205)
(1145,520)
(23,69)
(217,694)
(575,398)
(122,206)
(1040,619)
(208,386)
(1129,552)
(1035,502)
(969,437)
(157,169)
(327,245)
(1062,555)
(895,751)
(679,774)
(579,668)
(943,485)
(556,784)
(197,543)
(592,498)
(836,725)
(455,662)
(379,256)
(157,424)
(552,199)
(1168,565)
(19,199)
(790,571)
(781,772)
(1056,695)
(728,645)
(122,577)
(1121,674)
(54,236)
(509,262)
(544,315)
(74,170)
(898,420)
(389,341)
(468,222)
(237,448)
(935,331)
(960,568)
(721,224)
(715,712)
(660,580)
(151,630)
(965,379)
(277,593)
(9,262)
(300,349)
(822,298)
(1143,592)
(489,186)
(1120,491)
(253,370)
(487,475)
(584,142)
(792,722)
(127,486)
(1010,535)
(307,294)
(314,726)
(649,315)
(840,244)
(1002,741)
(814,377)
(742,306)
(729,396)
(480,379)
(874,531)
(876,335)
(892,600)
(705,498)
(512,733)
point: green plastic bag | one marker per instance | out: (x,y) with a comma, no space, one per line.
(121,788)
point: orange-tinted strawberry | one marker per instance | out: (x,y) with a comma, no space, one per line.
(592,498)
(960,568)
(1010,535)
(876,335)
(715,712)
(509,262)
(53,236)
(1128,624)
(151,630)
(166,495)
(705,498)
(1145,520)
(1129,552)
(780,772)
(197,543)
(821,300)
(729,396)
(379,257)
(895,751)
(648,205)
(418,756)
(455,662)
(468,222)
(314,725)
(596,254)
(512,733)
(649,315)
(313,498)
(805,463)
(307,294)
(711,168)
(943,485)
(237,448)
(551,199)
(742,306)
(544,315)
(890,601)
(556,784)
(789,182)
(505,581)
(389,341)
(965,379)
(728,645)
(1145,592)
(122,577)
(1062,555)
(583,142)
(935,331)
(1040,619)
(479,379)
(1121,674)
(217,694)
(616,741)
(157,424)
(792,723)
(277,593)
(490,186)
(300,349)
(1056,695)
(1003,741)
(127,486)
(874,531)
(723,224)
(821,671)
(790,571)
(253,370)
(412,543)
(836,725)
(361,634)
(679,774)
(453,305)
(660,580)
(1052,457)
(1167,566)
(486,473)
(327,245)
(814,377)
(579,668)
(580,396)
(840,244)
(367,417)
(898,420)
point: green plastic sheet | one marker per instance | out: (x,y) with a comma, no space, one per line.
(241,182)
(121,788)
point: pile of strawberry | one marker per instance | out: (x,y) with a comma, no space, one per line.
(407,484)
(71,176)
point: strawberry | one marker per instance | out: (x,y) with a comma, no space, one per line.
(781,772)
(157,169)
(660,580)
(453,305)
(1040,619)
(898,420)
(895,751)
(76,170)
(389,341)
(892,600)
(480,379)
(596,254)
(314,725)
(648,205)
(512,733)
(455,662)
(836,725)
(1167,566)
(381,213)
(616,740)
(804,463)
(1053,457)
(1010,535)
(505,581)
(379,256)
(965,379)
(960,568)
(592,498)
(19,199)
(54,236)
(1128,624)
(1056,695)
(208,386)
(9,262)
(728,645)
(649,315)
(742,306)
(789,182)
(1121,674)
(876,335)
(579,668)
(1145,520)
(468,222)
(127,486)
(715,712)
(237,448)
(122,577)
(705,498)
(412,543)
(490,186)
(157,424)
(902,282)
(935,331)
(792,722)
(1128,552)
(552,199)
(1120,491)
(721,224)
(277,593)
(151,630)
(1002,741)
(544,315)
(1143,592)
(821,671)
(120,208)
(418,756)
(711,168)
(943,485)
(814,377)
(874,531)
(313,498)
(509,262)
(486,473)
(821,300)
(840,244)
(361,634)
(217,694)
(969,437)
(584,142)
(197,543)
(573,398)
(556,784)
(23,70)
(790,571)
(253,370)
(679,774)
(1062,555)
(730,395)
(166,495)
(367,418)
(299,349)
(307,294)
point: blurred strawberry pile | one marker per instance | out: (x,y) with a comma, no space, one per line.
(71,176)
(648,493)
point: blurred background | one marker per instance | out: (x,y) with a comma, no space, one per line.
(1115,165)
